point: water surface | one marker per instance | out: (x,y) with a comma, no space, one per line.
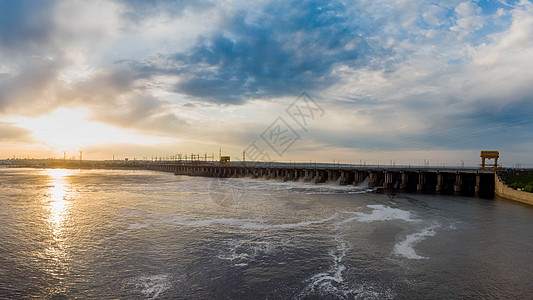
(147,234)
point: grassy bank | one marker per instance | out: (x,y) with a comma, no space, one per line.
(519,181)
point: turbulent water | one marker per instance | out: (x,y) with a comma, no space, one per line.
(144,234)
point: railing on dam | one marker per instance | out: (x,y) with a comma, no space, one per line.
(463,181)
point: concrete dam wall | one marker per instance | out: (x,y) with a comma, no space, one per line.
(466,182)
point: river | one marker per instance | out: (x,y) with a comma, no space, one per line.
(153,235)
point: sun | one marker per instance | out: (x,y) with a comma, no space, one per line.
(69,129)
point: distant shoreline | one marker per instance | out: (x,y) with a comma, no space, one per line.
(73,168)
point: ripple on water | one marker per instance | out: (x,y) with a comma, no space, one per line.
(150,286)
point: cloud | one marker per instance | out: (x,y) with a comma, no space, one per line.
(136,12)
(435,15)
(290,47)
(117,97)
(12,132)
(401,75)
(438,94)
(46,65)
(29,90)
(25,26)
(468,19)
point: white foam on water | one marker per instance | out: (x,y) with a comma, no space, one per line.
(243,251)
(354,217)
(405,247)
(302,224)
(186,221)
(385,213)
(139,226)
(247,223)
(364,191)
(235,254)
(152,286)
(241,265)
(332,283)
(300,186)
(363,183)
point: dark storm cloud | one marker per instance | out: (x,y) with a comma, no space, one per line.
(289,47)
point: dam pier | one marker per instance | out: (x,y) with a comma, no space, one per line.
(460,181)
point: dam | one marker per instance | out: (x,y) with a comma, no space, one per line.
(459,181)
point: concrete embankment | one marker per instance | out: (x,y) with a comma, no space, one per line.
(503,190)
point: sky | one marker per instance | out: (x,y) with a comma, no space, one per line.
(369,81)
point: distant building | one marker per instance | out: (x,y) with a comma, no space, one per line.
(224,160)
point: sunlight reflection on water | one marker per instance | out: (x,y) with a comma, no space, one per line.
(58,205)
(58,202)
